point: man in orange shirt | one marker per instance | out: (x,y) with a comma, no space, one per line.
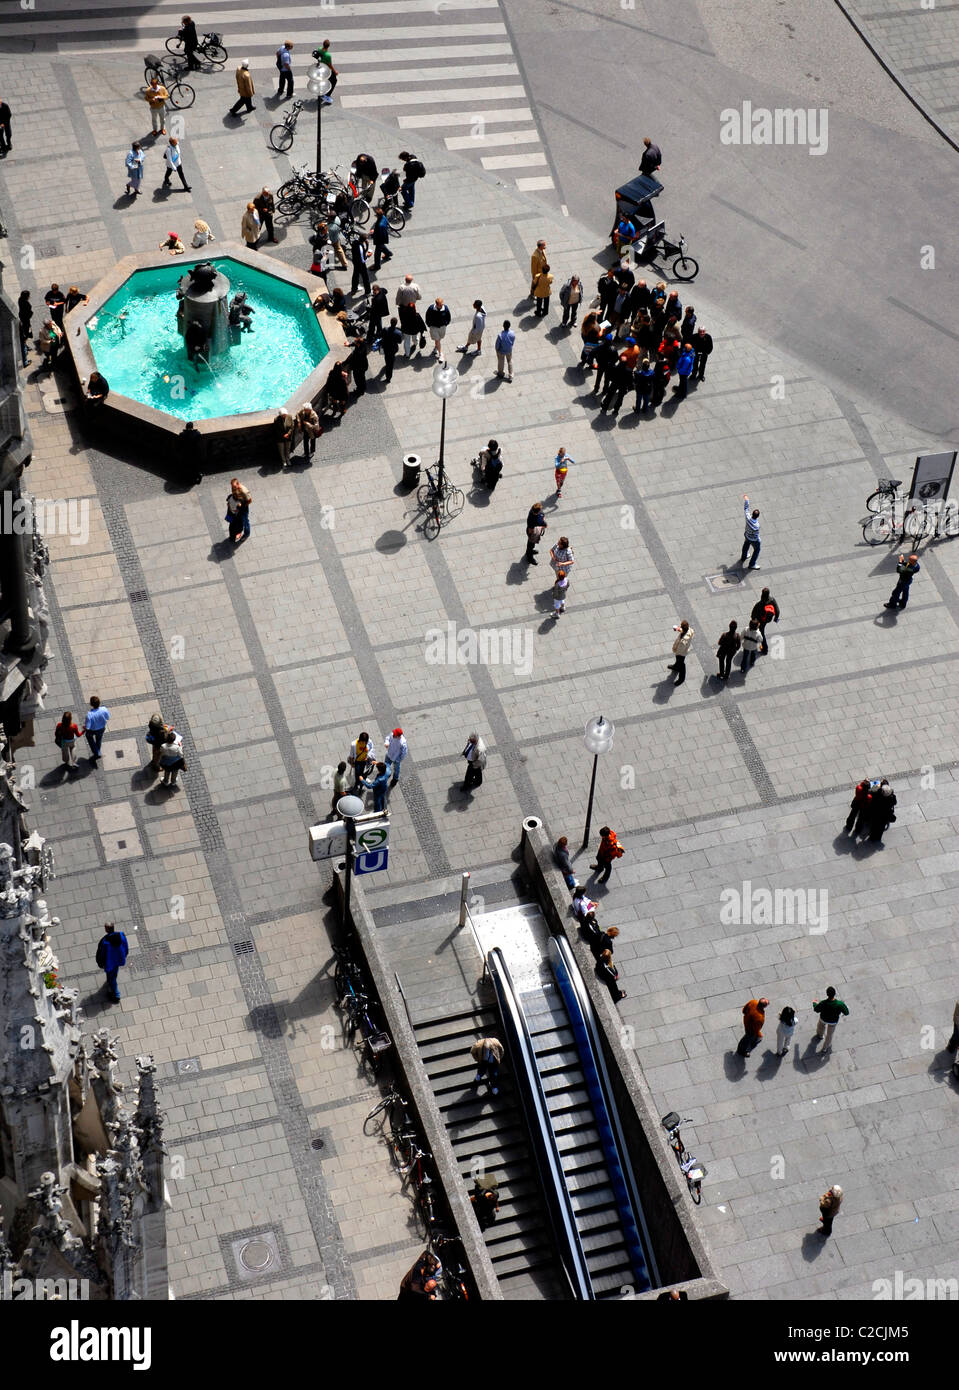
(754,1016)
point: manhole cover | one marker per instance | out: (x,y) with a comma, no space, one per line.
(720,583)
(188,1065)
(318,1144)
(256,1255)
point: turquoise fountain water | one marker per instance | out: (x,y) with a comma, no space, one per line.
(142,355)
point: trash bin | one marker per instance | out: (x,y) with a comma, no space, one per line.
(411,470)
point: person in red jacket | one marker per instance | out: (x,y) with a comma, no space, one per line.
(858,809)
(754,1016)
(609,849)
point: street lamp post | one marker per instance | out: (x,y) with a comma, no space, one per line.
(318,84)
(349,807)
(598,739)
(445,384)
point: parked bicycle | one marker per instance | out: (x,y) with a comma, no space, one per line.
(654,242)
(354,1004)
(210,46)
(448,1250)
(920,521)
(691,1168)
(440,502)
(362,207)
(180,94)
(281,136)
(887,492)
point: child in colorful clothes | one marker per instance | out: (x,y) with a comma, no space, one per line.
(563,461)
(559,593)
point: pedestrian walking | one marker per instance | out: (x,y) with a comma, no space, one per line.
(702,345)
(381,239)
(881,810)
(265,204)
(475,338)
(907,569)
(487,1053)
(341,785)
(560,585)
(859,808)
(358,254)
(542,288)
(335,232)
(537,264)
(171,758)
(112,951)
(765,610)
(378,783)
(360,758)
(784,1030)
(282,431)
(681,646)
(437,318)
(536,525)
(413,170)
(156,97)
(6,128)
(505,341)
(134,167)
(358,364)
(609,975)
(830,1011)
(603,941)
(284,66)
(726,648)
(752,641)
(308,428)
(327,60)
(651,159)
(245,89)
(156,736)
(397,749)
(754,1016)
(94,723)
(390,340)
(475,755)
(191,42)
(563,557)
(250,227)
(562,861)
(643,380)
(684,370)
(485,1200)
(490,461)
(953,1042)
(829,1204)
(751,535)
(173,159)
(238,511)
(609,851)
(570,298)
(561,470)
(65,736)
(378,311)
(25,316)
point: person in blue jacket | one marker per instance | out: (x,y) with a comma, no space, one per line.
(378,784)
(112,952)
(684,369)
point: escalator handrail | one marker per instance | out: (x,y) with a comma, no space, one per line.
(623,1179)
(529,1085)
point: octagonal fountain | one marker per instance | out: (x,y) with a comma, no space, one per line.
(223,340)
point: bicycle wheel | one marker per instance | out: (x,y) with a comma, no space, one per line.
(289,207)
(696,1192)
(424,494)
(175,46)
(281,138)
(685,268)
(403,1150)
(216,53)
(454,502)
(879,529)
(919,522)
(431,526)
(396,217)
(182,95)
(876,501)
(360,212)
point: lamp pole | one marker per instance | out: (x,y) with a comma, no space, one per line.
(445,384)
(349,807)
(598,739)
(318,84)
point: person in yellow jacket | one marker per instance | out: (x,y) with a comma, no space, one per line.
(156,97)
(542,286)
(487,1053)
(245,87)
(537,264)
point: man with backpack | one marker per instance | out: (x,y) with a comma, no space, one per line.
(764,611)
(112,952)
(413,169)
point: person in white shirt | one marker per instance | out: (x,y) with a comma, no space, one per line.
(681,650)
(173,159)
(396,750)
(477,329)
(475,755)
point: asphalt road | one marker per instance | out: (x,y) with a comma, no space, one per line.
(845,259)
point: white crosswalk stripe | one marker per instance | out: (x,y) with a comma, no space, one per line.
(432,65)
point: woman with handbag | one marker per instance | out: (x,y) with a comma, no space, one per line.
(238,511)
